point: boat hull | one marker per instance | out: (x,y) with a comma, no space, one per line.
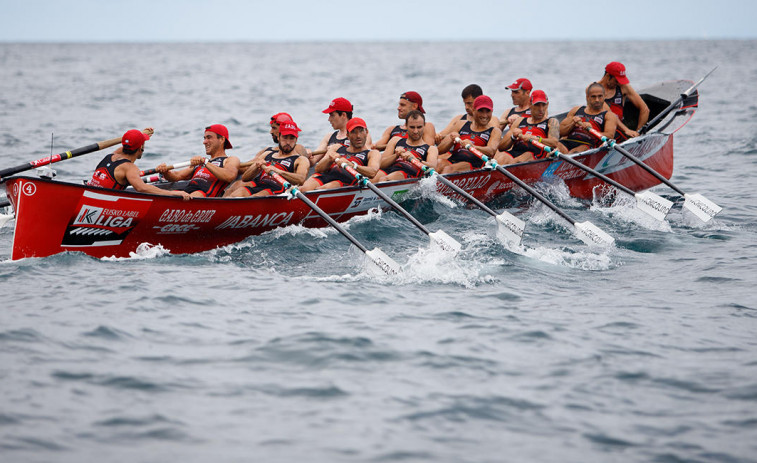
(54,217)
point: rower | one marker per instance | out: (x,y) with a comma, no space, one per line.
(118,171)
(538,126)
(479,131)
(207,177)
(285,161)
(520,92)
(469,94)
(396,160)
(340,112)
(617,90)
(328,172)
(580,119)
(409,101)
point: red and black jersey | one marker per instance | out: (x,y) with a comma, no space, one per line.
(420,152)
(597,122)
(398,131)
(203,180)
(615,103)
(539,129)
(105,174)
(334,139)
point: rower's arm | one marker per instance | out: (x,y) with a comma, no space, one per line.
(372,166)
(432,157)
(301,166)
(389,155)
(637,101)
(429,134)
(132,176)
(491,146)
(611,124)
(567,124)
(446,131)
(227,173)
(553,133)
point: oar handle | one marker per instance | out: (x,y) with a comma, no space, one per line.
(101,145)
(178,165)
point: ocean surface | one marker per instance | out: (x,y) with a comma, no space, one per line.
(284,348)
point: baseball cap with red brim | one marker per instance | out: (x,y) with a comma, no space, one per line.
(221,130)
(280,118)
(521,84)
(289,128)
(354,123)
(618,71)
(133,139)
(483,101)
(538,96)
(338,104)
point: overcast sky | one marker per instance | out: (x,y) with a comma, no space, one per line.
(394,20)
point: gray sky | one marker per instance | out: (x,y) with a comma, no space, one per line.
(402,20)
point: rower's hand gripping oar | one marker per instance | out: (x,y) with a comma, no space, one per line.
(508,226)
(63,156)
(153,171)
(438,238)
(376,256)
(700,206)
(585,231)
(654,205)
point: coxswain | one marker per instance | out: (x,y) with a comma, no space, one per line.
(480,132)
(207,177)
(580,119)
(538,126)
(396,160)
(118,171)
(409,101)
(285,161)
(329,174)
(617,90)
(520,93)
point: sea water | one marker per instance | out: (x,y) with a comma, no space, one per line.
(284,347)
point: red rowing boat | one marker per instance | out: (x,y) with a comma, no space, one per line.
(54,216)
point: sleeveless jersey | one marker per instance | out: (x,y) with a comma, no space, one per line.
(263,181)
(597,121)
(615,102)
(334,139)
(105,174)
(525,113)
(398,131)
(459,154)
(420,152)
(540,129)
(203,180)
(360,157)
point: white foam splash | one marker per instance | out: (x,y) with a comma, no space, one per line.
(624,209)
(144,251)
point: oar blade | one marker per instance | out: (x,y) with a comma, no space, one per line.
(380,262)
(593,235)
(510,228)
(441,240)
(653,204)
(701,207)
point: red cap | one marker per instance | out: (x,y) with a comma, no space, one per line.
(483,101)
(278,118)
(355,122)
(339,104)
(289,128)
(521,84)
(618,71)
(221,130)
(133,139)
(538,96)
(414,97)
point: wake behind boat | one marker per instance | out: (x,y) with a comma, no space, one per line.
(54,216)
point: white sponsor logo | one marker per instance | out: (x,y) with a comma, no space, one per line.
(255,221)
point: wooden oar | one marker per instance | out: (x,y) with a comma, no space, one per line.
(509,227)
(674,104)
(700,206)
(376,256)
(654,205)
(63,156)
(585,231)
(438,238)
